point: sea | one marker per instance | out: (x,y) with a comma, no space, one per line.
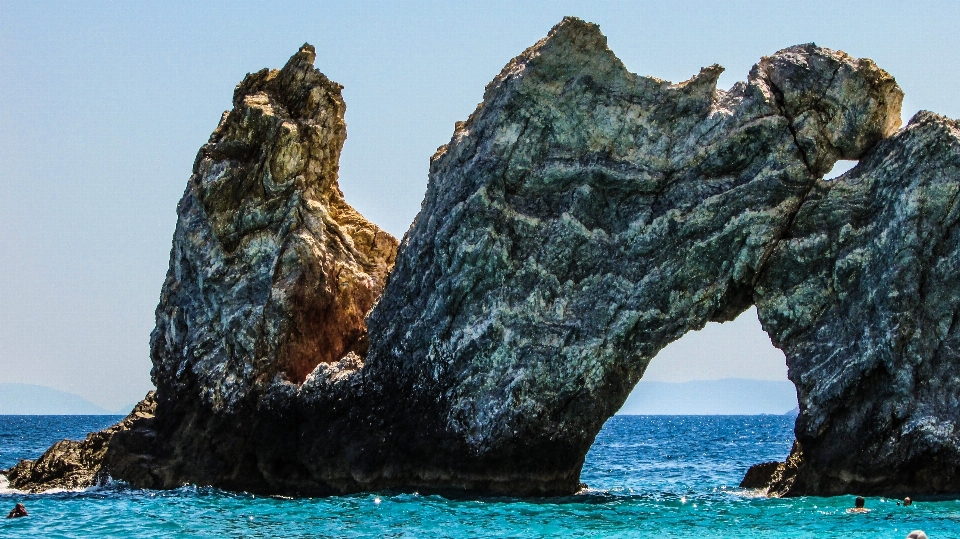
(648,476)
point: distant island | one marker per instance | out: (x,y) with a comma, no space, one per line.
(28,399)
(728,396)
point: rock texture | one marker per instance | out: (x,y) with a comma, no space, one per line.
(582,219)
(271,276)
(579,221)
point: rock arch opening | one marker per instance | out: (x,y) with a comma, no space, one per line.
(840,168)
(728,368)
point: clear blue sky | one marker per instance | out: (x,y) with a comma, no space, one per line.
(104,105)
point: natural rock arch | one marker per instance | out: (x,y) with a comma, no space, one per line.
(580,220)
(584,217)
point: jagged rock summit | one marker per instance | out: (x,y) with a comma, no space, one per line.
(579,221)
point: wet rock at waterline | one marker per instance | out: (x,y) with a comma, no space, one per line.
(579,221)
(759,475)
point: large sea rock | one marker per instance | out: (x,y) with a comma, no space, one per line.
(863,296)
(579,221)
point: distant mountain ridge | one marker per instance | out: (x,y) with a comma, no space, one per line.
(727,396)
(29,399)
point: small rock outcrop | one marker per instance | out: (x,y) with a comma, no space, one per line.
(760,475)
(76,464)
(579,221)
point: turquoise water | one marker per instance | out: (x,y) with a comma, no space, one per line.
(649,476)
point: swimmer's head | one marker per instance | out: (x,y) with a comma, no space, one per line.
(907,501)
(917,534)
(858,503)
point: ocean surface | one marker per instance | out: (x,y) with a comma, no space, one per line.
(648,476)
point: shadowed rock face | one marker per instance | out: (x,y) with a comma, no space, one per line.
(579,221)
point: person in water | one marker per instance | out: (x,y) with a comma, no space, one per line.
(18,511)
(907,501)
(917,534)
(858,506)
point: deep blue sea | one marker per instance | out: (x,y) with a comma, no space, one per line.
(649,476)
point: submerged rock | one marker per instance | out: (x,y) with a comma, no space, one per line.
(579,221)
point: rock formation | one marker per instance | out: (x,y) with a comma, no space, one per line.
(579,221)
(271,276)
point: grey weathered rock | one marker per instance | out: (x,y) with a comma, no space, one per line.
(579,221)
(271,275)
(582,219)
(271,272)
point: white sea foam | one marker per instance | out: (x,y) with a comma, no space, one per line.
(749,492)
(6,490)
(5,487)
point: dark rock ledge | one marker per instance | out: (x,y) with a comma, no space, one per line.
(579,221)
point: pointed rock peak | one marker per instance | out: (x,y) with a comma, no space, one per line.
(574,41)
(305,56)
(572,49)
(300,89)
(577,32)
